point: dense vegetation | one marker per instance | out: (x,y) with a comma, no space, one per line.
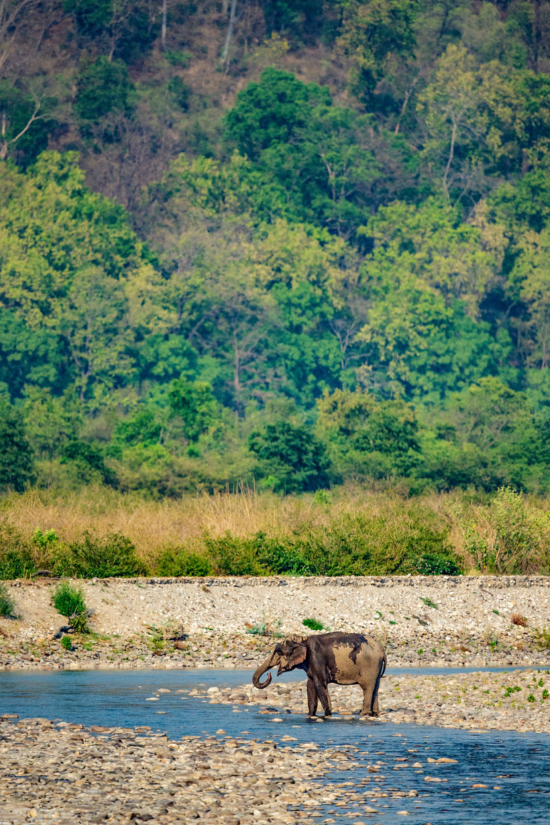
(348,531)
(282,241)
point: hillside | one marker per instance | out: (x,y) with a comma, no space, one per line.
(274,242)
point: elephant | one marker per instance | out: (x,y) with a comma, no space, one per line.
(337,658)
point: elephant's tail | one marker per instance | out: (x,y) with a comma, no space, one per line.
(384,665)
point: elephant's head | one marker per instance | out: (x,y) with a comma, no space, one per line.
(288,654)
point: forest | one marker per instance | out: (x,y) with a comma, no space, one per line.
(290,244)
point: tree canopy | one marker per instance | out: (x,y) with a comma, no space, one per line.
(300,244)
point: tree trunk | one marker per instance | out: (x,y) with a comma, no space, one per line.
(229,35)
(163,27)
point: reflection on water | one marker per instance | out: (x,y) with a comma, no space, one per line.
(518,765)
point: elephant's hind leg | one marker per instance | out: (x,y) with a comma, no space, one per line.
(370,705)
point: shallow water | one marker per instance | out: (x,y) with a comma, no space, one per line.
(119,698)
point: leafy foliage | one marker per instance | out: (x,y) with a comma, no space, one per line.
(68,600)
(178,562)
(292,457)
(8,608)
(16,457)
(103,87)
(358,244)
(313,624)
(101,557)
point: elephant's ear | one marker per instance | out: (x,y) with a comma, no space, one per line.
(298,655)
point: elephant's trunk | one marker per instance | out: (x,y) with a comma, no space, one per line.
(267,665)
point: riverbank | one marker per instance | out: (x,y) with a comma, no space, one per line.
(72,774)
(232,622)
(511,700)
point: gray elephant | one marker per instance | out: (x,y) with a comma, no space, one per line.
(337,658)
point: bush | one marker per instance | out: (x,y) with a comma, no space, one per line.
(16,564)
(66,643)
(372,546)
(518,533)
(7,604)
(16,561)
(182,563)
(233,556)
(69,600)
(280,557)
(112,555)
(313,624)
(432,564)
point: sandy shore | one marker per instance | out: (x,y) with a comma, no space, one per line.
(145,623)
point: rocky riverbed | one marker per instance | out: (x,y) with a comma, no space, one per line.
(63,773)
(173,623)
(516,700)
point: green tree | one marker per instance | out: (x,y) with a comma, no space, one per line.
(103,87)
(291,457)
(194,404)
(369,437)
(26,123)
(16,455)
(124,29)
(269,112)
(74,271)
(372,32)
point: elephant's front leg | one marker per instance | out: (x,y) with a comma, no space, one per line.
(312,698)
(322,693)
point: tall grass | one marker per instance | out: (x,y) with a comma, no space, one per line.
(353,530)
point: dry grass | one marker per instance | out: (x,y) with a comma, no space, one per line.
(154,525)
(519,620)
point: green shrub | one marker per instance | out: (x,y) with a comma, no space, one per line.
(79,622)
(372,546)
(542,638)
(102,557)
(233,556)
(7,604)
(16,564)
(175,562)
(69,600)
(313,624)
(280,557)
(518,533)
(66,643)
(16,561)
(432,564)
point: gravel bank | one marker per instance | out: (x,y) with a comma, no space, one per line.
(64,773)
(205,622)
(514,700)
